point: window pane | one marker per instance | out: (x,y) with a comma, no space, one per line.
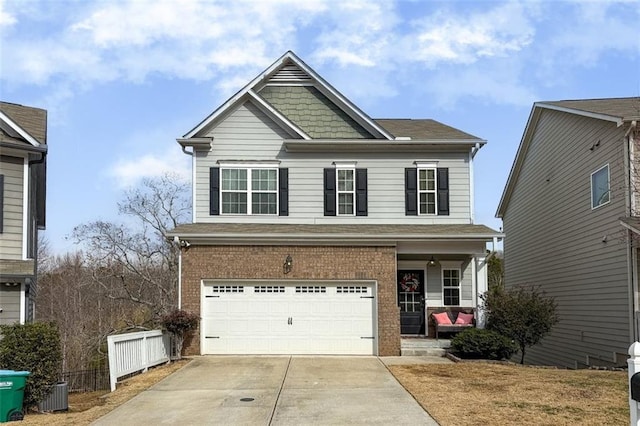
(345,180)
(600,187)
(427,180)
(451,296)
(263,203)
(427,203)
(263,180)
(234,202)
(431,180)
(234,179)
(345,203)
(423,180)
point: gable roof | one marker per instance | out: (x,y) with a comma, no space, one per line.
(621,111)
(23,125)
(614,109)
(286,69)
(423,129)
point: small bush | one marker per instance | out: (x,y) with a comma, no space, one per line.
(477,343)
(33,347)
(179,323)
(524,314)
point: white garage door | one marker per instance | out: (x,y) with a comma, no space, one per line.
(276,318)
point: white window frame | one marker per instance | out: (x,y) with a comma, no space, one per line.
(608,192)
(451,266)
(249,191)
(346,167)
(433,191)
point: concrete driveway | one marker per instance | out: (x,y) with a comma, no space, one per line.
(274,391)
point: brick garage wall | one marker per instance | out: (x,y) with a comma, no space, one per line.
(309,263)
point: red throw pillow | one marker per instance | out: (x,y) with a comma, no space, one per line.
(464,319)
(442,318)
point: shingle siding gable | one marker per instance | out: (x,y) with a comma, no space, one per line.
(313,112)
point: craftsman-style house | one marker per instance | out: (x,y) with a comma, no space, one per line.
(319,230)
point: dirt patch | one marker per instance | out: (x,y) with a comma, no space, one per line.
(85,408)
(478,394)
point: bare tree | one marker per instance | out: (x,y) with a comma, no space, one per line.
(132,261)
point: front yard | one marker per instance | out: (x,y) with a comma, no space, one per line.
(497,394)
(454,394)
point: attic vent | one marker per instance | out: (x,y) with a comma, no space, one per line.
(290,73)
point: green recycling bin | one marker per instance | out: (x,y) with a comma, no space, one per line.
(12,384)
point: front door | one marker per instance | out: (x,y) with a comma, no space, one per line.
(411,301)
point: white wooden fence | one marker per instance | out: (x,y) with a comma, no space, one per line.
(132,352)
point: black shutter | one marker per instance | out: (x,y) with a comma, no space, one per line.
(361,192)
(411,191)
(214,191)
(329,192)
(283,192)
(443,191)
(1,204)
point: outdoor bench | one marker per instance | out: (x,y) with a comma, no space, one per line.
(452,322)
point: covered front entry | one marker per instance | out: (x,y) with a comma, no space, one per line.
(411,300)
(305,317)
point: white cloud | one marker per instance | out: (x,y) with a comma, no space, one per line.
(357,33)
(374,48)
(446,37)
(6,19)
(130,171)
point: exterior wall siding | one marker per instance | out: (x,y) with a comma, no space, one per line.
(310,263)
(556,241)
(247,134)
(11,237)
(10,305)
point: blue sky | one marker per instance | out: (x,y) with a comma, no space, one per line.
(123,79)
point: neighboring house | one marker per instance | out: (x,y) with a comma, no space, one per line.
(569,211)
(23,150)
(318,230)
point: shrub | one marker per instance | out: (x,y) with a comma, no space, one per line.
(179,323)
(524,314)
(477,343)
(32,347)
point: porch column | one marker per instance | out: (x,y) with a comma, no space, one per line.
(480,276)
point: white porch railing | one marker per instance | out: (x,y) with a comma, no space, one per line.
(132,352)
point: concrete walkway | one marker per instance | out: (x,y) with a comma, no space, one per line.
(274,391)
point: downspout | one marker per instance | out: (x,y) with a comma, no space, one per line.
(193,219)
(33,284)
(632,254)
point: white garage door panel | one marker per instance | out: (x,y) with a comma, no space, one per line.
(288,319)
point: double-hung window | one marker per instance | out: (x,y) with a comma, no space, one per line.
(427,191)
(451,287)
(249,190)
(600,187)
(346,191)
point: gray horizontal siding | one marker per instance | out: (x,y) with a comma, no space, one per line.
(434,291)
(10,304)
(247,134)
(11,237)
(555,240)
